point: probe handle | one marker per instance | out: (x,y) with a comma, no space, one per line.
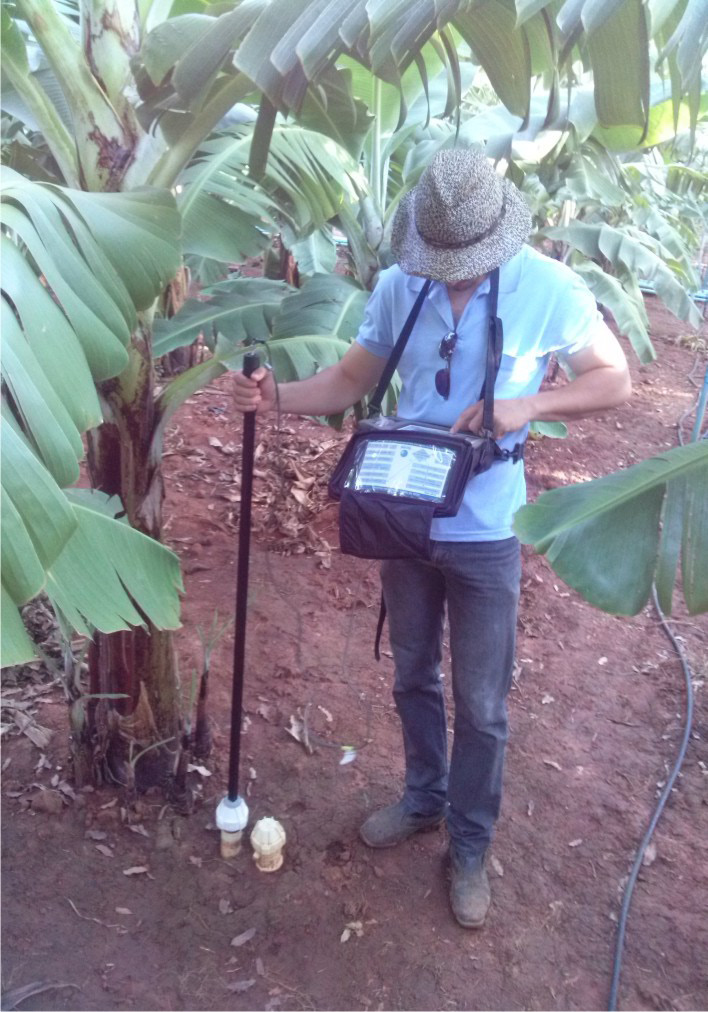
(251,361)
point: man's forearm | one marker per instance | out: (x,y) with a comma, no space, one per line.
(336,388)
(586,394)
(325,393)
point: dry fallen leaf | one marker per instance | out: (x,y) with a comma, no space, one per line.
(103,849)
(244,937)
(353,927)
(240,985)
(215,442)
(201,770)
(575,843)
(139,829)
(225,907)
(555,765)
(138,869)
(649,856)
(497,865)
(124,911)
(298,731)
(39,736)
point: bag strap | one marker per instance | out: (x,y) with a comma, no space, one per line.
(495,345)
(394,357)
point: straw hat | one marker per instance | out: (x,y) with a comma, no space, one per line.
(461,220)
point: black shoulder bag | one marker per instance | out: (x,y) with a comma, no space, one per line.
(396,475)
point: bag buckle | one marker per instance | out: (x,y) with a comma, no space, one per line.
(514,455)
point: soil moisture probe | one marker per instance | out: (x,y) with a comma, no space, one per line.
(232,810)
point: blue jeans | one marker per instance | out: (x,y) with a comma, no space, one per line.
(480,583)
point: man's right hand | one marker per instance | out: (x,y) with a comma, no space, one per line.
(255,392)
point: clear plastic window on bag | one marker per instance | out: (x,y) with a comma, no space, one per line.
(398,468)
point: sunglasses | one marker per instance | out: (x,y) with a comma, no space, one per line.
(442,376)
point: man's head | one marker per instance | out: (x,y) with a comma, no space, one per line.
(461,220)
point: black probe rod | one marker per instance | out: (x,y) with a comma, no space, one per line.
(251,362)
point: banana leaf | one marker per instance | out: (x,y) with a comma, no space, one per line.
(613,537)
(76,269)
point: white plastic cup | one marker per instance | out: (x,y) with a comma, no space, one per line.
(268,840)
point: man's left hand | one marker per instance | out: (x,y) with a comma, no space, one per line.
(509,416)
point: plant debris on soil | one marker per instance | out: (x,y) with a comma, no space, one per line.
(112,905)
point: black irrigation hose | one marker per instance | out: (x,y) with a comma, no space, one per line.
(629,888)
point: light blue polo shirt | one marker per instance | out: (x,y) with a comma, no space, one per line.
(544,307)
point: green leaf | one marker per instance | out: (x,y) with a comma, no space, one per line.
(619,55)
(629,251)
(241,310)
(584,180)
(331,108)
(51,338)
(553,430)
(140,234)
(199,63)
(227,215)
(315,254)
(605,537)
(293,358)
(628,314)
(108,570)
(689,40)
(500,47)
(12,41)
(22,571)
(326,304)
(168,43)
(100,254)
(176,393)
(17,647)
(35,496)
(66,272)
(42,412)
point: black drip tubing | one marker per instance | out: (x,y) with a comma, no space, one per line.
(636,867)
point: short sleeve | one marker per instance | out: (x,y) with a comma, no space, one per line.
(375,333)
(576,322)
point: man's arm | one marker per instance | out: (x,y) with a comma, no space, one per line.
(326,393)
(601,381)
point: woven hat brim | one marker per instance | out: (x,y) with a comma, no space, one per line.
(415,256)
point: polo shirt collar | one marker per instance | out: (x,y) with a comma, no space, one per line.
(509,275)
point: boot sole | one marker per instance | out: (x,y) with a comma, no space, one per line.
(469,924)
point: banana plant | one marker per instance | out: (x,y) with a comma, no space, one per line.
(613,538)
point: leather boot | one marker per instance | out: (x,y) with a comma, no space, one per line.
(394,824)
(470,895)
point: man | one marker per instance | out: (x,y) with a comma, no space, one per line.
(456,226)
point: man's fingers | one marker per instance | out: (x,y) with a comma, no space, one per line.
(470,419)
(255,392)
